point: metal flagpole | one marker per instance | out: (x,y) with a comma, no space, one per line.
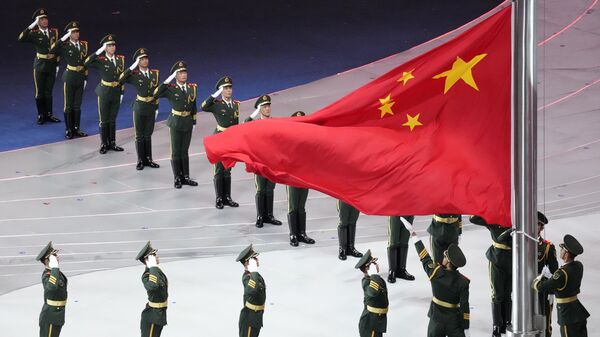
(525,318)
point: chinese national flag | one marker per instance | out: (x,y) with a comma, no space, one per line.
(431,136)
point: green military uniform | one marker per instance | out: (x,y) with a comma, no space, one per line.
(109,92)
(44,66)
(181,121)
(144,108)
(52,316)
(444,230)
(227,114)
(546,258)
(565,285)
(154,315)
(251,315)
(373,320)
(397,248)
(499,255)
(449,313)
(348,216)
(264,187)
(74,77)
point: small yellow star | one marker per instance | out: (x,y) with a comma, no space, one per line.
(386,105)
(406,75)
(461,70)
(412,122)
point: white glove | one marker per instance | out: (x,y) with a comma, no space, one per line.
(66,36)
(217,93)
(170,78)
(551,299)
(135,64)
(407,224)
(373,268)
(34,23)
(151,261)
(252,266)
(121,99)
(52,261)
(193,128)
(84,84)
(467,333)
(156,114)
(57,69)
(255,113)
(546,272)
(101,49)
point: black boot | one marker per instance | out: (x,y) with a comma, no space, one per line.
(139,147)
(49,116)
(175,165)
(269,218)
(68,125)
(506,315)
(185,166)
(103,139)
(343,240)
(401,269)
(392,263)
(302,237)
(227,201)
(41,110)
(148,161)
(293,223)
(351,236)
(497,319)
(76,122)
(260,209)
(218,181)
(112,137)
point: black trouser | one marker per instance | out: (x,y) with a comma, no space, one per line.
(150,329)
(369,333)
(248,331)
(50,330)
(180,144)
(546,310)
(73,95)
(348,216)
(578,329)
(398,237)
(144,118)
(265,193)
(108,109)
(44,83)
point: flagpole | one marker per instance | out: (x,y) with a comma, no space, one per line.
(525,313)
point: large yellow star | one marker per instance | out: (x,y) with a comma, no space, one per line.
(412,122)
(461,70)
(386,105)
(406,75)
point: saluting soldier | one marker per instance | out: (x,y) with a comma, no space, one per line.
(154,315)
(145,107)
(398,237)
(264,187)
(52,317)
(444,230)
(181,121)
(251,316)
(565,284)
(74,51)
(45,67)
(226,112)
(373,320)
(546,258)
(499,256)
(109,90)
(348,216)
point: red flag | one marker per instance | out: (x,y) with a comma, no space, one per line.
(431,136)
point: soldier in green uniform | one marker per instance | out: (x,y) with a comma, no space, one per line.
(444,230)
(546,258)
(154,315)
(227,112)
(145,107)
(109,90)
(264,187)
(397,249)
(181,121)
(74,51)
(373,320)
(251,316)
(52,317)
(45,67)
(565,284)
(348,216)
(499,255)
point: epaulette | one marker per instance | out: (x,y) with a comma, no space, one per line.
(154,70)
(218,100)
(135,71)
(236,101)
(172,85)
(101,58)
(121,56)
(192,84)
(83,42)
(547,241)
(48,273)
(54,29)
(35,30)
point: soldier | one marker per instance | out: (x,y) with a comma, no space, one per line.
(373,320)
(546,258)
(444,230)
(264,187)
(109,90)
(52,317)
(296,210)
(565,284)
(181,121)
(154,315)
(499,256)
(227,112)
(347,230)
(397,249)
(74,52)
(45,67)
(251,316)
(145,107)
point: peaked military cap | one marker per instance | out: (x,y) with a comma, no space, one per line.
(455,255)
(45,252)
(262,100)
(73,25)
(224,81)
(572,245)
(542,218)
(146,250)
(298,114)
(178,66)
(40,13)
(108,39)
(246,254)
(365,259)
(141,52)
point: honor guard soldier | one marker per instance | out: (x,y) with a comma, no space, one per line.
(227,112)
(45,66)
(109,90)
(154,315)
(296,210)
(444,230)
(499,255)
(74,51)
(251,316)
(546,258)
(264,187)
(373,320)
(181,121)
(565,284)
(348,216)
(52,317)
(398,237)
(145,107)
